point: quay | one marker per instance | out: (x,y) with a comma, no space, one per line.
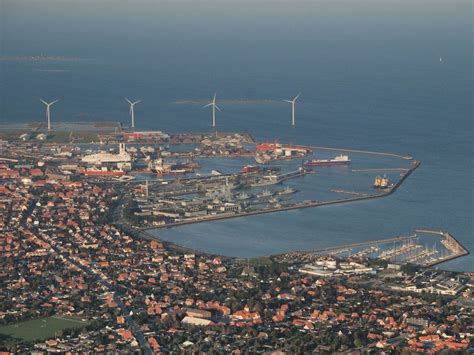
(297,205)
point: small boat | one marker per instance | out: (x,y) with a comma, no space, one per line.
(243,196)
(286,191)
(264,193)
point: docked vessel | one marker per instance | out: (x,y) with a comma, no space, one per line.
(264,193)
(243,196)
(339,160)
(381,182)
(266,180)
(286,191)
(160,167)
(249,169)
(124,178)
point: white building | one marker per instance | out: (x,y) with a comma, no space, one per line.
(104,157)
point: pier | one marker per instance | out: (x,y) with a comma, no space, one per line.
(377,170)
(405,157)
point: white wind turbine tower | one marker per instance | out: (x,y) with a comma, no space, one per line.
(214,107)
(132,113)
(48,111)
(293,102)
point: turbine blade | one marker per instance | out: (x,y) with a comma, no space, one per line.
(297,96)
(217,107)
(52,103)
(44,102)
(208,105)
(137,102)
(130,102)
(290,102)
(214,97)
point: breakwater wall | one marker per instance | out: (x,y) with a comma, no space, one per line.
(450,242)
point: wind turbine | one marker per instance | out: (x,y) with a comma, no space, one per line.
(293,102)
(214,107)
(48,111)
(132,113)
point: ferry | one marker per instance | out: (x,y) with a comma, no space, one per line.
(339,160)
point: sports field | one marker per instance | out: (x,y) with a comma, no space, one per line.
(42,328)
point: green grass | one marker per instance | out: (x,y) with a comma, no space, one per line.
(260,261)
(42,328)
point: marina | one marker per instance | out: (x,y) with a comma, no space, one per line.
(409,249)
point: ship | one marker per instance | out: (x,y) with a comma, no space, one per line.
(104,172)
(266,180)
(264,193)
(124,178)
(381,182)
(247,169)
(339,160)
(286,191)
(160,167)
(243,196)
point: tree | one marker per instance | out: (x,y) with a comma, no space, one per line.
(357,343)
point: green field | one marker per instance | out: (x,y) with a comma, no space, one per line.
(42,328)
(260,261)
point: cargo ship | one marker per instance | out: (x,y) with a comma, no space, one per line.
(102,172)
(381,182)
(339,160)
(249,169)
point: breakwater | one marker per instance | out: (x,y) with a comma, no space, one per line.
(450,242)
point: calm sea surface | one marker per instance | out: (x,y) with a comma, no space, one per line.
(389,76)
